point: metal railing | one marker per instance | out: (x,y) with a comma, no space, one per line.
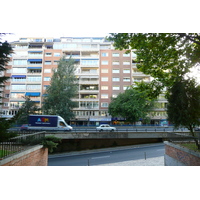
(20,143)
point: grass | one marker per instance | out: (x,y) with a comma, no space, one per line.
(191,146)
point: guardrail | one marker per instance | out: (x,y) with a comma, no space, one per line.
(20,143)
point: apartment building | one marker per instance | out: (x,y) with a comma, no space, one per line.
(102,72)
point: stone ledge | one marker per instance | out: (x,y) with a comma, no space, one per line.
(20,154)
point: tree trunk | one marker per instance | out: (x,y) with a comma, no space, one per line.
(193,135)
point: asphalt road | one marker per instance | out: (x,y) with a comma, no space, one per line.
(107,156)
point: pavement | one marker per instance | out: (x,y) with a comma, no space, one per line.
(156,161)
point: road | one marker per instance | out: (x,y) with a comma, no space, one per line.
(111,155)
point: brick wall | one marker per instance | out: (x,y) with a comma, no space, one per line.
(178,155)
(35,156)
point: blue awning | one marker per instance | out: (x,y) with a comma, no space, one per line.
(34,60)
(18,76)
(33,94)
(34,67)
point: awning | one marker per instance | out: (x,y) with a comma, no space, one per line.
(34,67)
(33,94)
(18,76)
(34,60)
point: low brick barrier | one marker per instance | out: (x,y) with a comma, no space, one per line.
(34,156)
(176,155)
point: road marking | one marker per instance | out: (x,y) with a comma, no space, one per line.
(100,157)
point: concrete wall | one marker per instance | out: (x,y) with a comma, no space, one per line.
(35,156)
(176,155)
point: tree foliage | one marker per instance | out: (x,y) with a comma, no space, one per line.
(132,105)
(5,51)
(164,56)
(184,105)
(27,108)
(62,89)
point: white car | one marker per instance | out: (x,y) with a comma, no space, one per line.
(105,127)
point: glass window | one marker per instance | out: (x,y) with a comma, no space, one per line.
(104,87)
(17,95)
(104,104)
(56,54)
(48,54)
(18,87)
(47,62)
(116,88)
(33,87)
(104,78)
(104,62)
(19,70)
(19,62)
(47,70)
(126,79)
(34,78)
(104,54)
(126,71)
(126,55)
(115,54)
(104,70)
(47,78)
(115,70)
(115,62)
(126,63)
(104,96)
(115,79)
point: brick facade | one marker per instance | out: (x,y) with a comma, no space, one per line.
(181,155)
(37,156)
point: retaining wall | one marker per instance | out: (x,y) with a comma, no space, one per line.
(176,155)
(35,156)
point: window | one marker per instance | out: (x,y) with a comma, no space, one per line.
(116,88)
(34,78)
(89,62)
(18,87)
(126,55)
(115,54)
(104,54)
(20,62)
(104,78)
(104,70)
(126,63)
(104,62)
(19,70)
(47,62)
(126,71)
(115,79)
(104,104)
(33,87)
(6,104)
(17,95)
(104,96)
(56,54)
(115,62)
(47,70)
(125,87)
(126,79)
(47,78)
(48,54)
(115,70)
(104,87)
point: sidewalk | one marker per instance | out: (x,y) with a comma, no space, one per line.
(157,161)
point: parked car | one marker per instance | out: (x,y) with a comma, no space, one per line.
(24,127)
(105,127)
(197,128)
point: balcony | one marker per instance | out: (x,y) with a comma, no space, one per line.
(88,91)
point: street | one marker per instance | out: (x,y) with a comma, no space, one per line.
(107,156)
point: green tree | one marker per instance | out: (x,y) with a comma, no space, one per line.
(27,108)
(164,56)
(184,105)
(62,89)
(132,105)
(5,51)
